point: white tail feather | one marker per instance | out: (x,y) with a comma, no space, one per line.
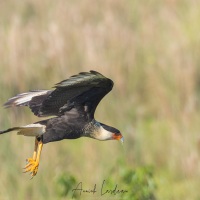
(32,130)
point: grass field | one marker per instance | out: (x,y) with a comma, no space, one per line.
(150,49)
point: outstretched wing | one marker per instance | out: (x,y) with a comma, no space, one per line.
(82,92)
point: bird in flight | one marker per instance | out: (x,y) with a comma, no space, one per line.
(72,103)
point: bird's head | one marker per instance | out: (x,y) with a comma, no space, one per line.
(108,133)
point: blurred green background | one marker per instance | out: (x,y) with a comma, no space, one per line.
(151,50)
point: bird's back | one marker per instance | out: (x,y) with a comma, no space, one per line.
(68,126)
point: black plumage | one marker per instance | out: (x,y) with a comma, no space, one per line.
(73,103)
(85,89)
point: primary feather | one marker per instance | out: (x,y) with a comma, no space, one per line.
(24,98)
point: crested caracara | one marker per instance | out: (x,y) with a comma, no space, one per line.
(72,103)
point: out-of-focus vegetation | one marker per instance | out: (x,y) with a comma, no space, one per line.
(150,49)
(138,184)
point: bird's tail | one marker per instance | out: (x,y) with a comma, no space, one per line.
(24,98)
(9,130)
(28,130)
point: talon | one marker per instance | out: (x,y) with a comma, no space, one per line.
(32,164)
(28,165)
(31,167)
(29,162)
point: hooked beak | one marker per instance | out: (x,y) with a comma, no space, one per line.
(122,140)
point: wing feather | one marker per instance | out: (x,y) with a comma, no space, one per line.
(80,80)
(85,89)
(82,91)
(24,98)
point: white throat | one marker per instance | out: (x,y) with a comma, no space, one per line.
(103,134)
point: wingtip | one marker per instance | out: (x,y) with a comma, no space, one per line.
(8,104)
(3,131)
(95,72)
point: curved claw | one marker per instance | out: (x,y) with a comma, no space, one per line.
(32,164)
(31,167)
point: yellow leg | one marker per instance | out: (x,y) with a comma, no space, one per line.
(35,149)
(31,160)
(33,163)
(39,151)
